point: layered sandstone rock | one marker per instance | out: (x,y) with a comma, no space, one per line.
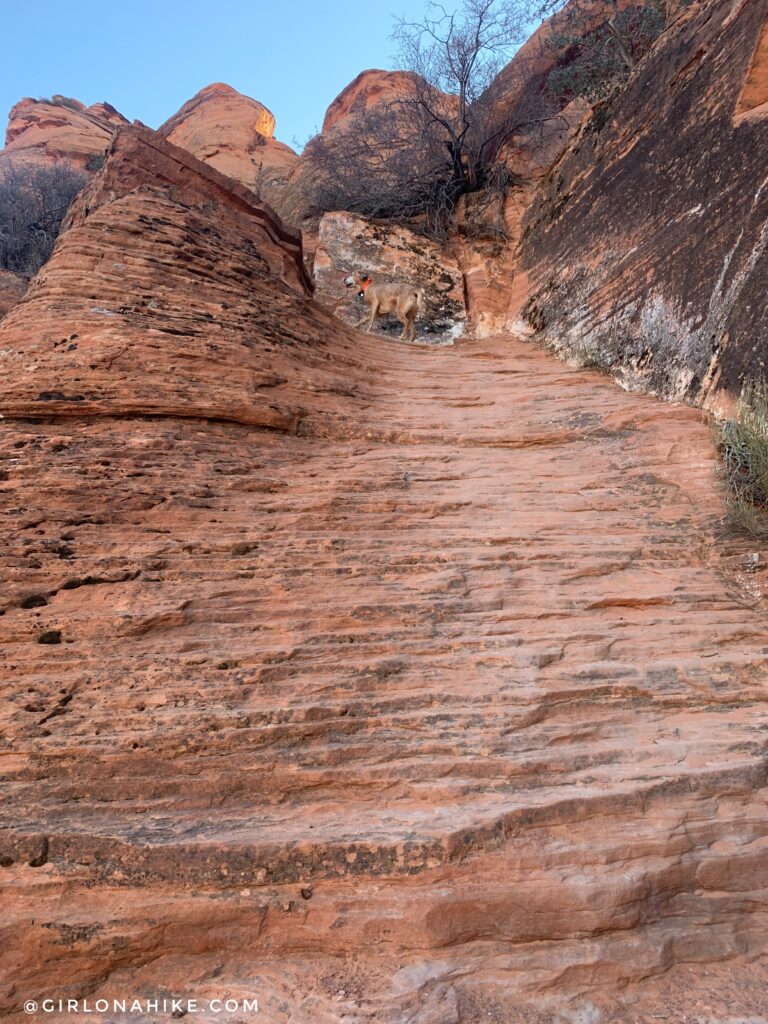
(377,682)
(647,247)
(531,153)
(389,253)
(235,134)
(190,211)
(548,46)
(61,129)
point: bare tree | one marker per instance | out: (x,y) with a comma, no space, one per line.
(459,55)
(33,201)
(449,132)
(416,156)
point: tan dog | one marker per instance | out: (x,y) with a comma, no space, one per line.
(403,300)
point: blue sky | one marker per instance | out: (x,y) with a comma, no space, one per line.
(147,58)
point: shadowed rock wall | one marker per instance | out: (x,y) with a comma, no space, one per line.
(647,245)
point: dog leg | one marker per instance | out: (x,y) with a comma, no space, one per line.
(374,311)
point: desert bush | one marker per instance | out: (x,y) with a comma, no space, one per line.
(595,62)
(67,101)
(95,161)
(33,201)
(743,444)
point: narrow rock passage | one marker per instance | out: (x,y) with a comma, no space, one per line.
(382,682)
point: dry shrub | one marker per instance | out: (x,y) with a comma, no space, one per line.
(34,199)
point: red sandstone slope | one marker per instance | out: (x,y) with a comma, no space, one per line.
(61,128)
(235,134)
(432,701)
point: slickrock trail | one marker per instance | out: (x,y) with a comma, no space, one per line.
(424,688)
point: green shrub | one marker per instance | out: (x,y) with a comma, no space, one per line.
(95,161)
(743,445)
(595,63)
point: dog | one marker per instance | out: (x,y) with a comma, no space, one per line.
(401,299)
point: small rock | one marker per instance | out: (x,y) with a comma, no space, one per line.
(243,547)
(51,636)
(41,857)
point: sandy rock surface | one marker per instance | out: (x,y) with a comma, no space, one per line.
(384,683)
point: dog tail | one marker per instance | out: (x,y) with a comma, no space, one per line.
(420,299)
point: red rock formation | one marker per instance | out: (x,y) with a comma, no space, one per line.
(368,90)
(437,700)
(647,247)
(61,128)
(485,244)
(147,187)
(519,92)
(538,55)
(234,134)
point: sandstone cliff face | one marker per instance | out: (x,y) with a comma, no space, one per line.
(380,682)
(519,92)
(647,247)
(181,206)
(235,134)
(389,253)
(61,128)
